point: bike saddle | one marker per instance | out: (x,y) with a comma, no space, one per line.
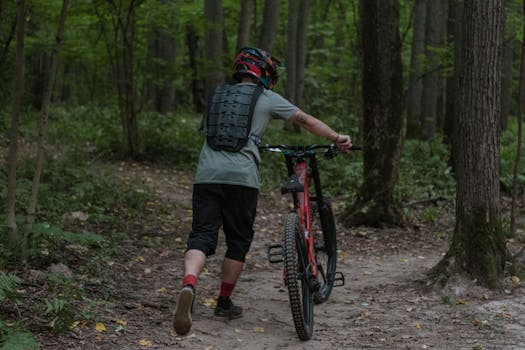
(292,185)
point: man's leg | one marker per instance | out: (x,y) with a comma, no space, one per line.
(231,270)
(238,218)
(194,261)
(202,242)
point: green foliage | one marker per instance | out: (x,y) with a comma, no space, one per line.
(8,284)
(47,232)
(508,157)
(62,314)
(15,337)
(173,138)
(87,129)
(424,171)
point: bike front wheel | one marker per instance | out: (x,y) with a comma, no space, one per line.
(325,250)
(297,276)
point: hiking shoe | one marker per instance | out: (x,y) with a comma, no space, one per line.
(226,309)
(182,319)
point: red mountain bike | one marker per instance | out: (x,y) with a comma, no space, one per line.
(309,248)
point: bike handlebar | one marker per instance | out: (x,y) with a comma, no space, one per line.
(301,150)
(304,148)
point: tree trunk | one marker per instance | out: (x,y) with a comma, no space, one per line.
(162,55)
(246,17)
(270,24)
(455,14)
(478,243)
(125,34)
(382,87)
(120,48)
(18,90)
(291,51)
(302,29)
(46,102)
(5,48)
(197,83)
(415,87)
(433,41)
(519,141)
(214,43)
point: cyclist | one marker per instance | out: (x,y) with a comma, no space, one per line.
(226,185)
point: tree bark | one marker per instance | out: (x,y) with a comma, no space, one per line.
(452,89)
(519,141)
(270,24)
(197,84)
(302,30)
(416,71)
(162,50)
(246,17)
(382,87)
(433,41)
(478,243)
(214,43)
(5,48)
(18,90)
(42,129)
(291,51)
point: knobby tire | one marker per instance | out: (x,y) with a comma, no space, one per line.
(325,250)
(296,270)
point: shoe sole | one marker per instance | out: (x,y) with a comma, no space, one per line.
(227,317)
(182,320)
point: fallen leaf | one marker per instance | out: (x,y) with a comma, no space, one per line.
(210,302)
(141,259)
(162,290)
(100,327)
(122,322)
(418,326)
(515,280)
(258,329)
(145,342)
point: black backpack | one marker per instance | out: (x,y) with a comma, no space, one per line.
(229,118)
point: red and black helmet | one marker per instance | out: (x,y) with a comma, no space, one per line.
(257,63)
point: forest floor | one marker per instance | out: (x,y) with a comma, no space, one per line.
(384,304)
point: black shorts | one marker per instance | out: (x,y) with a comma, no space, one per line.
(231,206)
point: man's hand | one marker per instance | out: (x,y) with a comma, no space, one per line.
(343,142)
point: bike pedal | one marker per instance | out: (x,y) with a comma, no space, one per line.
(275,253)
(338,278)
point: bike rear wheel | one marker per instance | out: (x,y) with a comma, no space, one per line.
(297,272)
(325,250)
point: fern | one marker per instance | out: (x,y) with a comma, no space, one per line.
(7,286)
(47,231)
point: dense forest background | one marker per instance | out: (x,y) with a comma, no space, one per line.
(90,82)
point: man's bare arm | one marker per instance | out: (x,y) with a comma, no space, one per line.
(319,128)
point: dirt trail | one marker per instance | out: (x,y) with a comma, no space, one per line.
(383,305)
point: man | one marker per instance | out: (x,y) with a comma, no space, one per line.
(226,185)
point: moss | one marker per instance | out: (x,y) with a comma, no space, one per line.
(479,246)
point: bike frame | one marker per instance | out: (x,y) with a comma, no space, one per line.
(297,163)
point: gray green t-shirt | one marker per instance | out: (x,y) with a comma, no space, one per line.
(240,168)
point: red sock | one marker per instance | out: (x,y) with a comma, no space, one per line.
(226,289)
(189,280)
